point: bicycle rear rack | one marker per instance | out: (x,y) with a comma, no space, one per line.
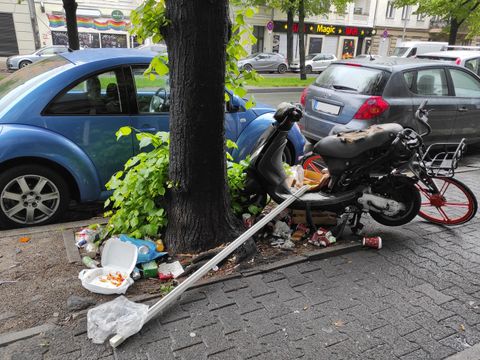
(441,159)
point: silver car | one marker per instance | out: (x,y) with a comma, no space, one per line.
(314,62)
(466,58)
(19,61)
(271,62)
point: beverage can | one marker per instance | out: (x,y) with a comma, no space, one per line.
(374,242)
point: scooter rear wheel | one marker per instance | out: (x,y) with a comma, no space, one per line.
(454,205)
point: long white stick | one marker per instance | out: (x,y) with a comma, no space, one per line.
(197,275)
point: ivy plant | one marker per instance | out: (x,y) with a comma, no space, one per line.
(137,202)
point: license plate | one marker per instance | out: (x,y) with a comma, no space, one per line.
(326,108)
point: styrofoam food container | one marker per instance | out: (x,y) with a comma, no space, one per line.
(117,256)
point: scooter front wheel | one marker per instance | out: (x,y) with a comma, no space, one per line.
(455,204)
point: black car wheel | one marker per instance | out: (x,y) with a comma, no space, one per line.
(282,68)
(31,195)
(308,69)
(24,63)
(247,67)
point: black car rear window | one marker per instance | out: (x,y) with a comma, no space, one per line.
(355,78)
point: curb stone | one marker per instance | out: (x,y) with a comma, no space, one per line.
(472,353)
(9,338)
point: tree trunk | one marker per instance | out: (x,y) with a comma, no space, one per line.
(301,38)
(290,36)
(199,212)
(452,37)
(70,7)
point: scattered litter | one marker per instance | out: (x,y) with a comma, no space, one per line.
(150,269)
(300,232)
(86,236)
(277,242)
(282,230)
(91,249)
(471,303)
(147,250)
(174,268)
(120,316)
(18,251)
(462,327)
(339,323)
(192,334)
(118,261)
(165,277)
(248,220)
(374,242)
(56,314)
(322,237)
(305,308)
(7,282)
(89,262)
(136,273)
(24,239)
(296,312)
(160,246)
(215,268)
(287,245)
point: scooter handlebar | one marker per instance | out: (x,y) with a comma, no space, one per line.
(287,111)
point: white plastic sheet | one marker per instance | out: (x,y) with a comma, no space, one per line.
(119,316)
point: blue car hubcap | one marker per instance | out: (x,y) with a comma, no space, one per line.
(30,199)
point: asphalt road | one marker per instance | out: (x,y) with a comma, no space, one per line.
(273,99)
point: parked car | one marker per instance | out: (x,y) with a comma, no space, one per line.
(467,58)
(271,62)
(314,62)
(414,48)
(462,47)
(369,56)
(358,93)
(19,61)
(158,48)
(58,119)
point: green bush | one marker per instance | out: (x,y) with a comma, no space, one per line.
(137,203)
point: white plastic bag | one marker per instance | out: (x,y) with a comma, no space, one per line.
(120,316)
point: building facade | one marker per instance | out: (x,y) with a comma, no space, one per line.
(366,26)
(16,31)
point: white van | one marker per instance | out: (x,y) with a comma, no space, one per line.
(413,48)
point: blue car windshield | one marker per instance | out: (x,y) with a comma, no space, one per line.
(30,74)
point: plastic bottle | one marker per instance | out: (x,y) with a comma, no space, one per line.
(160,246)
(89,262)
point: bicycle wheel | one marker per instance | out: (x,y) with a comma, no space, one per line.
(455,204)
(314,163)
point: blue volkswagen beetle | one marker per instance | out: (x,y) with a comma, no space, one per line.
(58,119)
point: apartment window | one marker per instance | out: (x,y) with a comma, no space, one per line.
(390,10)
(405,12)
(421,17)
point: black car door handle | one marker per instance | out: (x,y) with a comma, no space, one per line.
(463,109)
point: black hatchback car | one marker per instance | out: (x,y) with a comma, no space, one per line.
(358,93)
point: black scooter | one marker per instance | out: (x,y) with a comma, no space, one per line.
(382,170)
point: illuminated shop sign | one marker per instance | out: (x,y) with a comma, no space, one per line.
(322,29)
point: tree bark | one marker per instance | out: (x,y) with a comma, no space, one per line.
(70,7)
(290,36)
(199,212)
(301,38)
(452,37)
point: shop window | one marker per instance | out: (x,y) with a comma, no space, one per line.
(390,14)
(8,38)
(259,33)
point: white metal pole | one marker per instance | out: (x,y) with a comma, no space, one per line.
(197,275)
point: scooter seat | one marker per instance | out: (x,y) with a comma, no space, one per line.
(347,145)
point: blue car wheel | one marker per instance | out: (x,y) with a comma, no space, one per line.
(31,195)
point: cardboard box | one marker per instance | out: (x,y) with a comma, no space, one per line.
(325,218)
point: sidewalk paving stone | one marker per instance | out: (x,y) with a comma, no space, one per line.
(417,298)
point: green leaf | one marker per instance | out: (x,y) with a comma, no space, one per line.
(123,131)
